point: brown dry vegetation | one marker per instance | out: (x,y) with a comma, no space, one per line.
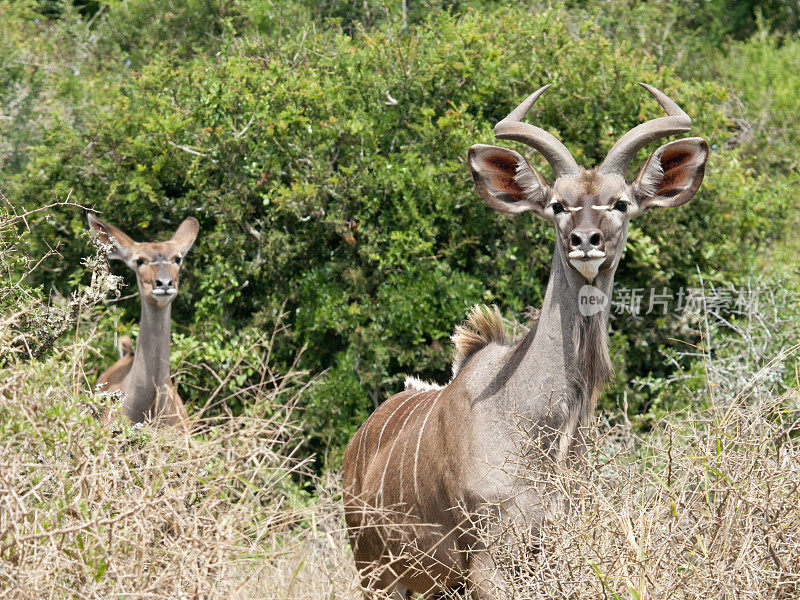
(134,512)
(707,505)
(704,504)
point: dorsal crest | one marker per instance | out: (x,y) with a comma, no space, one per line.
(484,325)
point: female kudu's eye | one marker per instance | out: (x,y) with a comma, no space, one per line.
(139,262)
(621,206)
(178,260)
(557,207)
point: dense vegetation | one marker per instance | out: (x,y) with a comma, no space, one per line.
(321,146)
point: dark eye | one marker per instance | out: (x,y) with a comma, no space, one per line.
(557,207)
(139,262)
(621,206)
(178,260)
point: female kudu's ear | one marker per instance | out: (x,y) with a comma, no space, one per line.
(672,174)
(506,181)
(122,245)
(185,234)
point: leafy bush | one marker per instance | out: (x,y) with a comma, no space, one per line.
(690,34)
(328,176)
(765,75)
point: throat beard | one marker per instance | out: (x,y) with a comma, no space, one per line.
(592,368)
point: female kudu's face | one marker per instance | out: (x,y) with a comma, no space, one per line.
(156,264)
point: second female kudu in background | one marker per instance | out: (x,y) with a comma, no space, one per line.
(143,375)
(428,456)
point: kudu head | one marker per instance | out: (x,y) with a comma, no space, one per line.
(156,264)
(591,208)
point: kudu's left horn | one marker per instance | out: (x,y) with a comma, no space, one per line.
(623,152)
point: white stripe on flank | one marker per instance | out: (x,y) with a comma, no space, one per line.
(361,452)
(391,450)
(419,441)
(402,469)
(385,423)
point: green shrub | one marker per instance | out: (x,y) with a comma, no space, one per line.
(765,75)
(328,174)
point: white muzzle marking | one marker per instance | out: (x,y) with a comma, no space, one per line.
(587,268)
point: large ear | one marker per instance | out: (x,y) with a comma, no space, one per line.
(672,174)
(185,234)
(122,245)
(506,181)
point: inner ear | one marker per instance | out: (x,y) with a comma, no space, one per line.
(505,180)
(672,175)
(122,245)
(185,234)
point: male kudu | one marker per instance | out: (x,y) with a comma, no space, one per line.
(143,376)
(424,458)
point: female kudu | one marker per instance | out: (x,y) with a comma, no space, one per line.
(427,457)
(143,375)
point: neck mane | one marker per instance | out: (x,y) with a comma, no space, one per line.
(564,350)
(584,338)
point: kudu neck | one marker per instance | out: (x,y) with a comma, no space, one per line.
(153,345)
(569,341)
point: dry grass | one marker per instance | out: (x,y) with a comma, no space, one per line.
(315,561)
(705,505)
(90,512)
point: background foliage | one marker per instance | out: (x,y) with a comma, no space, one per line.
(322,146)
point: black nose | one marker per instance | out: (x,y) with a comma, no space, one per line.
(164,283)
(585,240)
